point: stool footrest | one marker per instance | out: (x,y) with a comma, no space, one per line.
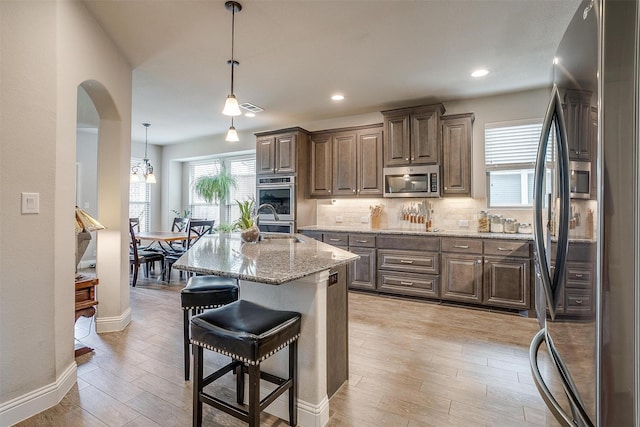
(220,372)
(225,407)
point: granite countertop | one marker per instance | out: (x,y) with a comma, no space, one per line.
(277,259)
(440,233)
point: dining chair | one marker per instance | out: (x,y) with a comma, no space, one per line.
(139,257)
(179,224)
(195,230)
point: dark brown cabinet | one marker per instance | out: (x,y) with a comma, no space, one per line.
(277,152)
(411,135)
(578,297)
(363,271)
(578,122)
(456,158)
(507,274)
(347,162)
(462,277)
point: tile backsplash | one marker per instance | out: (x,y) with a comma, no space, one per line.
(449,214)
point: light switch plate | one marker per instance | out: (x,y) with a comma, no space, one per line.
(463,223)
(364,219)
(30,203)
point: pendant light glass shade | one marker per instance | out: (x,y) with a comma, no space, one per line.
(231,107)
(232,134)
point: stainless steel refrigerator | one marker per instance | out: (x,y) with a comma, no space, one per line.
(585,359)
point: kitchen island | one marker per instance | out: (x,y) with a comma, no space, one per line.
(289,272)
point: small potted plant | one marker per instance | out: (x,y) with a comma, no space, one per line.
(249,231)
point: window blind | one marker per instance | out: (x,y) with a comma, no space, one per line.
(244,169)
(200,208)
(510,145)
(139,199)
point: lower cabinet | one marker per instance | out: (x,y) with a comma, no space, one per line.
(507,282)
(419,285)
(462,277)
(362,272)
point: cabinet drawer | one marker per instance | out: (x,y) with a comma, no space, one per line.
(418,262)
(336,239)
(469,246)
(409,243)
(408,284)
(579,301)
(507,248)
(578,275)
(362,240)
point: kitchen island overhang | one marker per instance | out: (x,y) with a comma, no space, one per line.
(283,272)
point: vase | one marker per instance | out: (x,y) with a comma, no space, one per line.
(250,235)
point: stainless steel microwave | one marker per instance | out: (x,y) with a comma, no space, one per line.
(580,180)
(412,181)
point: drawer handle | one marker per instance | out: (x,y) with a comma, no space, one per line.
(504,249)
(406,261)
(461,246)
(578,301)
(578,275)
(406,283)
(362,241)
(335,240)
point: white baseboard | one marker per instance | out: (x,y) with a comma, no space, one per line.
(113,324)
(27,405)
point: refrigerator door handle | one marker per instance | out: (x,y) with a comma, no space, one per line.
(544,391)
(552,286)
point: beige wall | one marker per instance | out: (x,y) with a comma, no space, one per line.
(48,49)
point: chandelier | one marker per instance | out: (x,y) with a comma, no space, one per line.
(143,171)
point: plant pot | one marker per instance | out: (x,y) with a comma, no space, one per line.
(250,235)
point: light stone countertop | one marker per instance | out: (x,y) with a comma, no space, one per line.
(273,261)
(440,233)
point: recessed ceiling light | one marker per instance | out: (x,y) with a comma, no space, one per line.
(337,97)
(249,114)
(480,73)
(556,60)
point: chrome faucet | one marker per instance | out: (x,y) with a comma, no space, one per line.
(271,208)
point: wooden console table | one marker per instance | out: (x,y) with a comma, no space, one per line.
(85,303)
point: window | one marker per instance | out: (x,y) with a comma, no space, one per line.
(139,200)
(242,167)
(510,156)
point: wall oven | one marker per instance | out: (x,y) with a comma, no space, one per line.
(279,192)
(412,181)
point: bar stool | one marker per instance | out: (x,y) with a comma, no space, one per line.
(249,334)
(202,293)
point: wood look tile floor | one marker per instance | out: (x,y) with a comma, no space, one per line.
(412,364)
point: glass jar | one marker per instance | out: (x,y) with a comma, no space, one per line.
(525,228)
(511,225)
(497,223)
(483,222)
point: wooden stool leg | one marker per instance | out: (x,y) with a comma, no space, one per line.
(240,384)
(197,385)
(293,391)
(185,338)
(254,395)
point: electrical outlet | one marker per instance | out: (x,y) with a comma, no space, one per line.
(364,219)
(463,223)
(338,218)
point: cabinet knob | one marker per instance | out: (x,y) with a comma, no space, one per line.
(446,188)
(329,191)
(406,158)
(480,261)
(354,190)
(413,158)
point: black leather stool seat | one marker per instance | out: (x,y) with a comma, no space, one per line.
(245,331)
(202,293)
(248,333)
(208,292)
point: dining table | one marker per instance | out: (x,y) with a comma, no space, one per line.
(163,239)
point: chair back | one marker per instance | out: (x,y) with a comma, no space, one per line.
(198,228)
(179,224)
(133,242)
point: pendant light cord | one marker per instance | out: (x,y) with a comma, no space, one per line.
(233,34)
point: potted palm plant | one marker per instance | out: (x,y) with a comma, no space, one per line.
(249,231)
(215,188)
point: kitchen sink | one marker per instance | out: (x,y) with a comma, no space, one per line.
(280,237)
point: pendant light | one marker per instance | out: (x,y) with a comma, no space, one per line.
(231,107)
(232,134)
(143,171)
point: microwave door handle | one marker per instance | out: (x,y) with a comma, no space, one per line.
(542,257)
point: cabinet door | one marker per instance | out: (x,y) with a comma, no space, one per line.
(424,138)
(462,278)
(396,143)
(369,162)
(285,154)
(507,282)
(578,118)
(344,164)
(363,271)
(321,165)
(456,165)
(265,155)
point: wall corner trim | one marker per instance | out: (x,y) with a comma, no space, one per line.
(114,323)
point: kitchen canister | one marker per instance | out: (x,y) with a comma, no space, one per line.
(525,228)
(511,225)
(497,223)
(483,222)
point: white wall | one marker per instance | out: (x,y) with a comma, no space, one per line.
(53,47)
(87,179)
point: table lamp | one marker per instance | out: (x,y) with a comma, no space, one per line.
(85,223)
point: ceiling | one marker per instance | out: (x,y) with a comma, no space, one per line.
(294,54)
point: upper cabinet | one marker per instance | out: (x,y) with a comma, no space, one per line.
(411,135)
(278,152)
(347,162)
(456,158)
(579,124)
